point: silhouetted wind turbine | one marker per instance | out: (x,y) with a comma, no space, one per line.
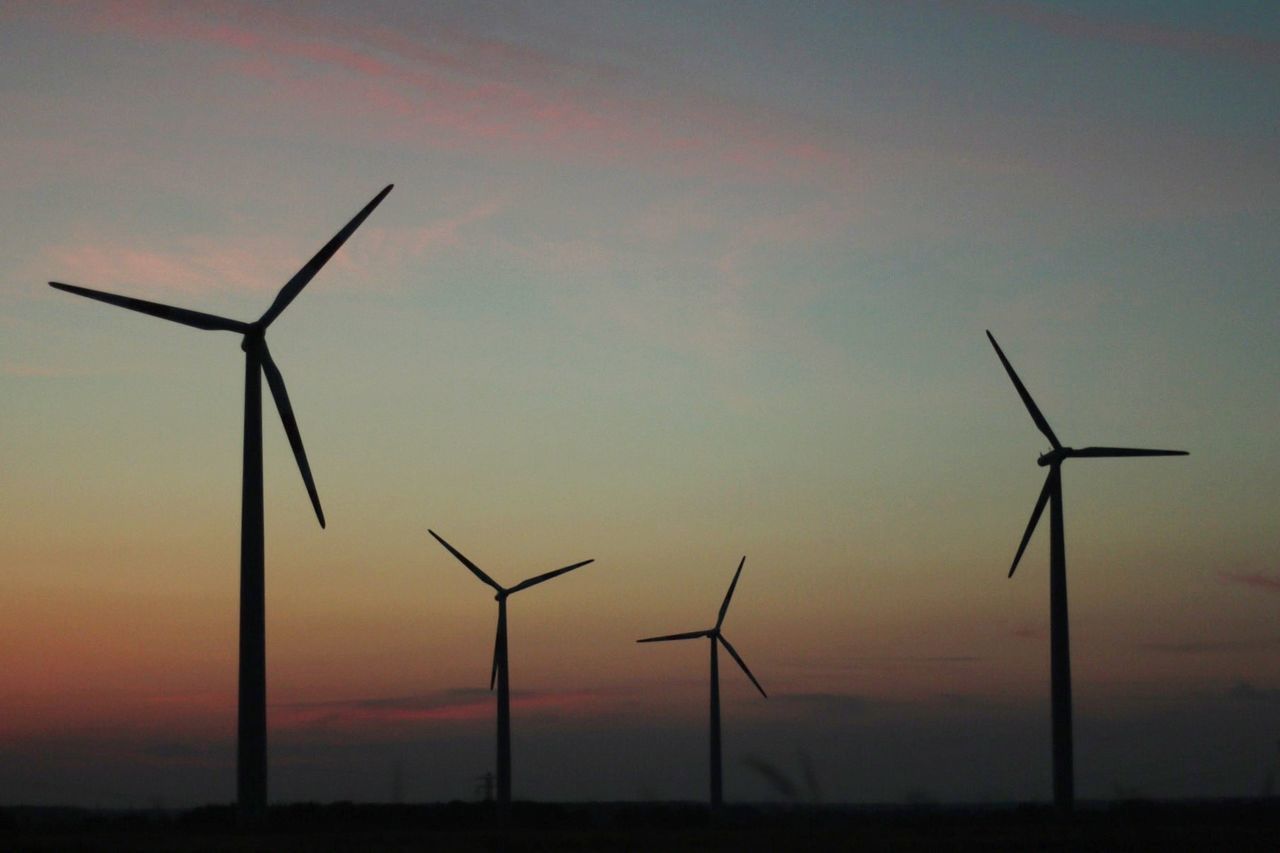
(1059,647)
(498,674)
(251,754)
(716,638)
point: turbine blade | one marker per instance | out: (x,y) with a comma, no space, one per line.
(300,279)
(276,382)
(1036,416)
(525,584)
(688,635)
(1031,525)
(1103,452)
(724,606)
(470,565)
(497,645)
(731,650)
(198,319)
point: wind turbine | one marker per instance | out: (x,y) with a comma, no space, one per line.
(498,674)
(716,637)
(1059,646)
(251,750)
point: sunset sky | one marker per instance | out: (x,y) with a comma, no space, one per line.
(660,284)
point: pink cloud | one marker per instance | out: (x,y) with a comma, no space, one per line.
(398,246)
(684,276)
(1077,25)
(446,88)
(450,706)
(210,701)
(249,264)
(1256,580)
(567,256)
(357,713)
(196,265)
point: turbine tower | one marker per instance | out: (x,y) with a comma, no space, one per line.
(498,673)
(1059,646)
(717,638)
(251,744)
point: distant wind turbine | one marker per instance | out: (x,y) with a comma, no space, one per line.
(716,638)
(1059,646)
(251,752)
(498,674)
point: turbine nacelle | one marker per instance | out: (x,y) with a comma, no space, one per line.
(255,338)
(1055,456)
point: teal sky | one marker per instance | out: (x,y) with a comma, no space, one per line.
(661,284)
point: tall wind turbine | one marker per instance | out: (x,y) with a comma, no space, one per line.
(251,750)
(717,638)
(1059,646)
(498,674)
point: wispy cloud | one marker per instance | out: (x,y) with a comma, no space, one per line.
(440,86)
(1212,647)
(690,275)
(195,265)
(1254,580)
(859,663)
(842,704)
(451,705)
(186,753)
(1079,25)
(1246,691)
(462,705)
(1028,632)
(918,659)
(202,264)
(396,247)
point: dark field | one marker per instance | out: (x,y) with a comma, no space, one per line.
(1233,825)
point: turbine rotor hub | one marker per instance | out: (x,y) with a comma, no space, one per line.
(1055,456)
(254,338)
